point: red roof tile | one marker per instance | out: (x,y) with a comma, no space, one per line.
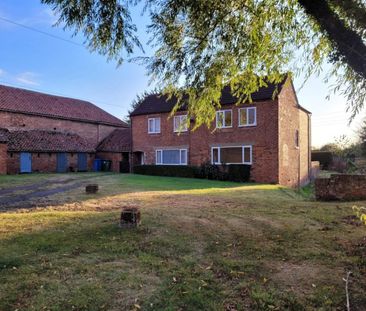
(118,141)
(30,102)
(47,141)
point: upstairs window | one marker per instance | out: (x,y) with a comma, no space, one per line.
(248,116)
(154,125)
(231,155)
(180,124)
(171,157)
(224,119)
(297,139)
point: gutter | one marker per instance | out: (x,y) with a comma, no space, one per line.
(131,150)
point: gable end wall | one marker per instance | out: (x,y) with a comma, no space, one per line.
(293,164)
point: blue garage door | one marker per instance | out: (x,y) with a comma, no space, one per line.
(61,163)
(82,162)
(25,162)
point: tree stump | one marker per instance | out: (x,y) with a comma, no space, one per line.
(130,218)
(92,188)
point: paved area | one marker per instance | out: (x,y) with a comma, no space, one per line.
(37,194)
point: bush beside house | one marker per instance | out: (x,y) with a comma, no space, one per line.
(232,172)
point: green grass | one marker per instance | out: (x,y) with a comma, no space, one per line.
(202,245)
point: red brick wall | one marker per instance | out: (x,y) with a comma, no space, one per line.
(294,162)
(341,187)
(3,158)
(116,158)
(90,131)
(262,137)
(44,162)
(305,148)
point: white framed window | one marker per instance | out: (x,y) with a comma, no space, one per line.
(180,123)
(224,118)
(153,125)
(231,155)
(248,116)
(171,157)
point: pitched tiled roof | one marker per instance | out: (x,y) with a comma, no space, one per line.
(156,103)
(47,141)
(30,102)
(3,135)
(118,141)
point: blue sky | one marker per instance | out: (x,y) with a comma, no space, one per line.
(35,61)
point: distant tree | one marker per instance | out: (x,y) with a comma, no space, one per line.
(362,137)
(331,147)
(203,45)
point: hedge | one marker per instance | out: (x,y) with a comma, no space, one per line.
(166,170)
(325,158)
(232,172)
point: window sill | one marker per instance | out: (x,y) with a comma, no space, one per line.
(171,164)
(247,126)
(180,132)
(224,127)
(232,163)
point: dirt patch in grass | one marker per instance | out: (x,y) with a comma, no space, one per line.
(351,220)
(303,278)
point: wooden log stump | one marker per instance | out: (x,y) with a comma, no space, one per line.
(92,188)
(130,218)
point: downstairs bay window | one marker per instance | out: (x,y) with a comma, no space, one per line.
(171,157)
(231,155)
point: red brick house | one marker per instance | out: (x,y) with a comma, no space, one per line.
(272,135)
(46,133)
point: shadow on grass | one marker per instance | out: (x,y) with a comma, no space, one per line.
(54,189)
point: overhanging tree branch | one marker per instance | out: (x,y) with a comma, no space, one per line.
(348,43)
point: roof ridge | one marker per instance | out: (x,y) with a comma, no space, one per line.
(46,94)
(22,100)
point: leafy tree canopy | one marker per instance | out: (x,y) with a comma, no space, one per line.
(202,45)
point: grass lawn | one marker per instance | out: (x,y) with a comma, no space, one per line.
(202,245)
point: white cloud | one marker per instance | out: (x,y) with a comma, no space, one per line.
(2,72)
(45,17)
(27,78)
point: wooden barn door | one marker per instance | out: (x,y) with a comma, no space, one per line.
(26,162)
(82,162)
(61,163)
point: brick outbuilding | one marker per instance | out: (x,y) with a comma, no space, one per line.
(48,133)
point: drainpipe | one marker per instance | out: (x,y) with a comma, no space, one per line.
(309,146)
(131,151)
(299,165)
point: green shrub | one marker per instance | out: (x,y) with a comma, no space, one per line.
(239,172)
(167,170)
(325,158)
(232,172)
(211,171)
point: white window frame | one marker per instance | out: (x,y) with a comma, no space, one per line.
(157,151)
(247,112)
(176,127)
(225,147)
(224,126)
(154,127)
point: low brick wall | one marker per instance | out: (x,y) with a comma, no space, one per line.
(341,187)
